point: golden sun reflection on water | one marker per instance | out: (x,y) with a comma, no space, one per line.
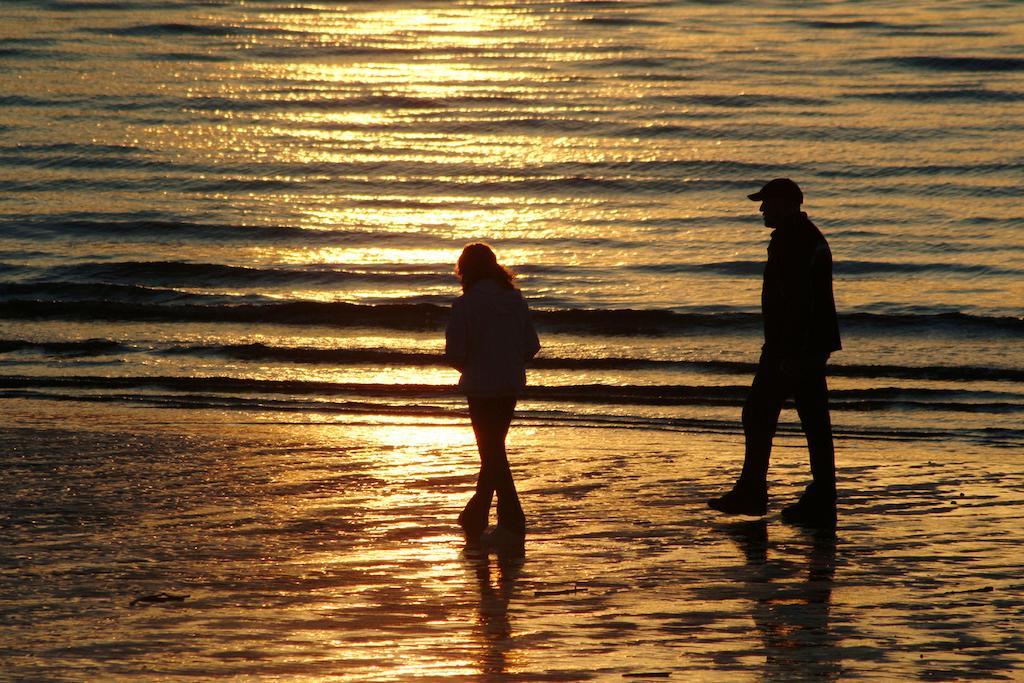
(423,25)
(412,599)
(433,560)
(431,78)
(339,124)
(460,217)
(399,257)
(400,441)
(367,255)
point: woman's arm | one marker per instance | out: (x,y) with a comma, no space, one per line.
(531,344)
(456,337)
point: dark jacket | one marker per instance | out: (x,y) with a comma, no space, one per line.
(797,304)
(489,339)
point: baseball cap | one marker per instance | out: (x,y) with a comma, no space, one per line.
(780,188)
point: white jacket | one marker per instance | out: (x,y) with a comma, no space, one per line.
(489,339)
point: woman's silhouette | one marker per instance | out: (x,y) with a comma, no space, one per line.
(489,339)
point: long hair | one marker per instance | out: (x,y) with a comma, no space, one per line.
(478,262)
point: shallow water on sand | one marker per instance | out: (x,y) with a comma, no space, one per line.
(328,552)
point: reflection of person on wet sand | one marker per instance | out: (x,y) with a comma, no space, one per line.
(489,339)
(493,624)
(791,616)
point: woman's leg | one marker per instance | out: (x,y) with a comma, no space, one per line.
(473,518)
(491,418)
(510,511)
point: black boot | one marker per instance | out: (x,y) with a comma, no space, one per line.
(815,509)
(744,499)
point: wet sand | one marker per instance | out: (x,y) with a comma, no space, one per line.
(330,551)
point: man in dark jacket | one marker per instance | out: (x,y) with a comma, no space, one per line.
(800,331)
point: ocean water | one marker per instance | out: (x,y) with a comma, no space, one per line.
(258,205)
(247,213)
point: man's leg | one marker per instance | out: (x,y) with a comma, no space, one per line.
(760,418)
(811,396)
(817,506)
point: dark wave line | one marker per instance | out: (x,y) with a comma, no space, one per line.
(311,355)
(881,171)
(303,42)
(844,25)
(317,356)
(468,184)
(859,400)
(164,103)
(177,273)
(319,50)
(30,53)
(604,20)
(963,373)
(158,229)
(92,5)
(891,29)
(490,122)
(347,103)
(170,29)
(187,57)
(99,294)
(150,183)
(344,357)
(737,101)
(940,94)
(107,156)
(90,161)
(853,133)
(932,31)
(672,64)
(308,355)
(600,393)
(30,42)
(432,316)
(336,314)
(179,230)
(840,267)
(955,64)
(85,348)
(85,149)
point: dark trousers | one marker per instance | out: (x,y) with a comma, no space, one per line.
(804,381)
(491,418)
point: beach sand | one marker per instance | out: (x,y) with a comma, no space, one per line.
(329,550)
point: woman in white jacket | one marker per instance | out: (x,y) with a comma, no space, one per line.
(489,339)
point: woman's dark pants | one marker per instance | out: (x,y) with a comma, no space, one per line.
(491,418)
(805,383)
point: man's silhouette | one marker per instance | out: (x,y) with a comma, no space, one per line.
(800,331)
